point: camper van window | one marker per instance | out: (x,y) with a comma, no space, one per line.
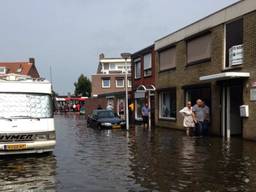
(15,105)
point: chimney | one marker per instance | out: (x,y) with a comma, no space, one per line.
(102,56)
(32,60)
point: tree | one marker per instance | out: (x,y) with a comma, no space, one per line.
(83,86)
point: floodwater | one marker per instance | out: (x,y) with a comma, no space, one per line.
(139,160)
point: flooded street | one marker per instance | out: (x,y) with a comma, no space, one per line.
(115,160)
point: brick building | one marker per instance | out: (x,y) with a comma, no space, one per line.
(110,76)
(108,84)
(22,68)
(143,81)
(213,59)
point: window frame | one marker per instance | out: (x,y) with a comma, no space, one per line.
(129,83)
(173,46)
(110,66)
(160,98)
(118,79)
(226,65)
(137,62)
(3,70)
(198,36)
(102,83)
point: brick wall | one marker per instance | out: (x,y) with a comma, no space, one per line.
(97,84)
(249,124)
(185,75)
(189,75)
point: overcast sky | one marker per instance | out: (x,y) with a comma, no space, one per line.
(68,35)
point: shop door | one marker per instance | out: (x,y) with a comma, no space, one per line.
(204,93)
(231,120)
(235,103)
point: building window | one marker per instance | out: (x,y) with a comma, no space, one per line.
(167,59)
(120,67)
(129,83)
(106,66)
(137,69)
(147,61)
(119,83)
(167,104)
(199,49)
(234,43)
(112,66)
(105,83)
(2,70)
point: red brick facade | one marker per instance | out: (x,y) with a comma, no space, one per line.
(145,81)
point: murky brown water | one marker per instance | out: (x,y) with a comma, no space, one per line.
(159,160)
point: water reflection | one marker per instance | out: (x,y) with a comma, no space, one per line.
(86,159)
(28,173)
(170,161)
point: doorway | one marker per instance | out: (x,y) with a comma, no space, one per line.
(232,99)
(194,93)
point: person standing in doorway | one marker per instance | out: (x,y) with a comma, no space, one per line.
(188,122)
(145,115)
(199,116)
(206,122)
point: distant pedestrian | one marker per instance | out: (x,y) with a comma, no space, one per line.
(121,110)
(78,106)
(145,115)
(188,122)
(109,107)
(74,107)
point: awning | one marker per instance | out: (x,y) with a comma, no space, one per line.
(225,76)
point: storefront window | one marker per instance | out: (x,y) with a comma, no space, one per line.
(167,104)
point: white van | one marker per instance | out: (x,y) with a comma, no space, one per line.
(26,116)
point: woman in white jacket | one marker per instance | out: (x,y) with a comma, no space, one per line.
(189,120)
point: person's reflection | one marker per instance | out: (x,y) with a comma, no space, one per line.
(24,173)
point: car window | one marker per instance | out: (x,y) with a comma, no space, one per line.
(106,114)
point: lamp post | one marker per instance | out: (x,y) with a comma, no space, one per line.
(126,56)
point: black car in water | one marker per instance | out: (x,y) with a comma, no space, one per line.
(105,119)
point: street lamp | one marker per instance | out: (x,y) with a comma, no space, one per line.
(126,56)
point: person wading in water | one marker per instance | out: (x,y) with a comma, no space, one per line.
(188,121)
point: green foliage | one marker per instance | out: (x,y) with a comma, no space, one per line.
(83,86)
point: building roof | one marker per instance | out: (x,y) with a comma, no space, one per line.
(114,60)
(22,68)
(224,15)
(143,51)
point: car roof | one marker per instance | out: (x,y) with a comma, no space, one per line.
(101,110)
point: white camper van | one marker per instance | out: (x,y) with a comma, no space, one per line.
(26,116)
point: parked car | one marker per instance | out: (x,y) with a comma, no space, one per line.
(105,119)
